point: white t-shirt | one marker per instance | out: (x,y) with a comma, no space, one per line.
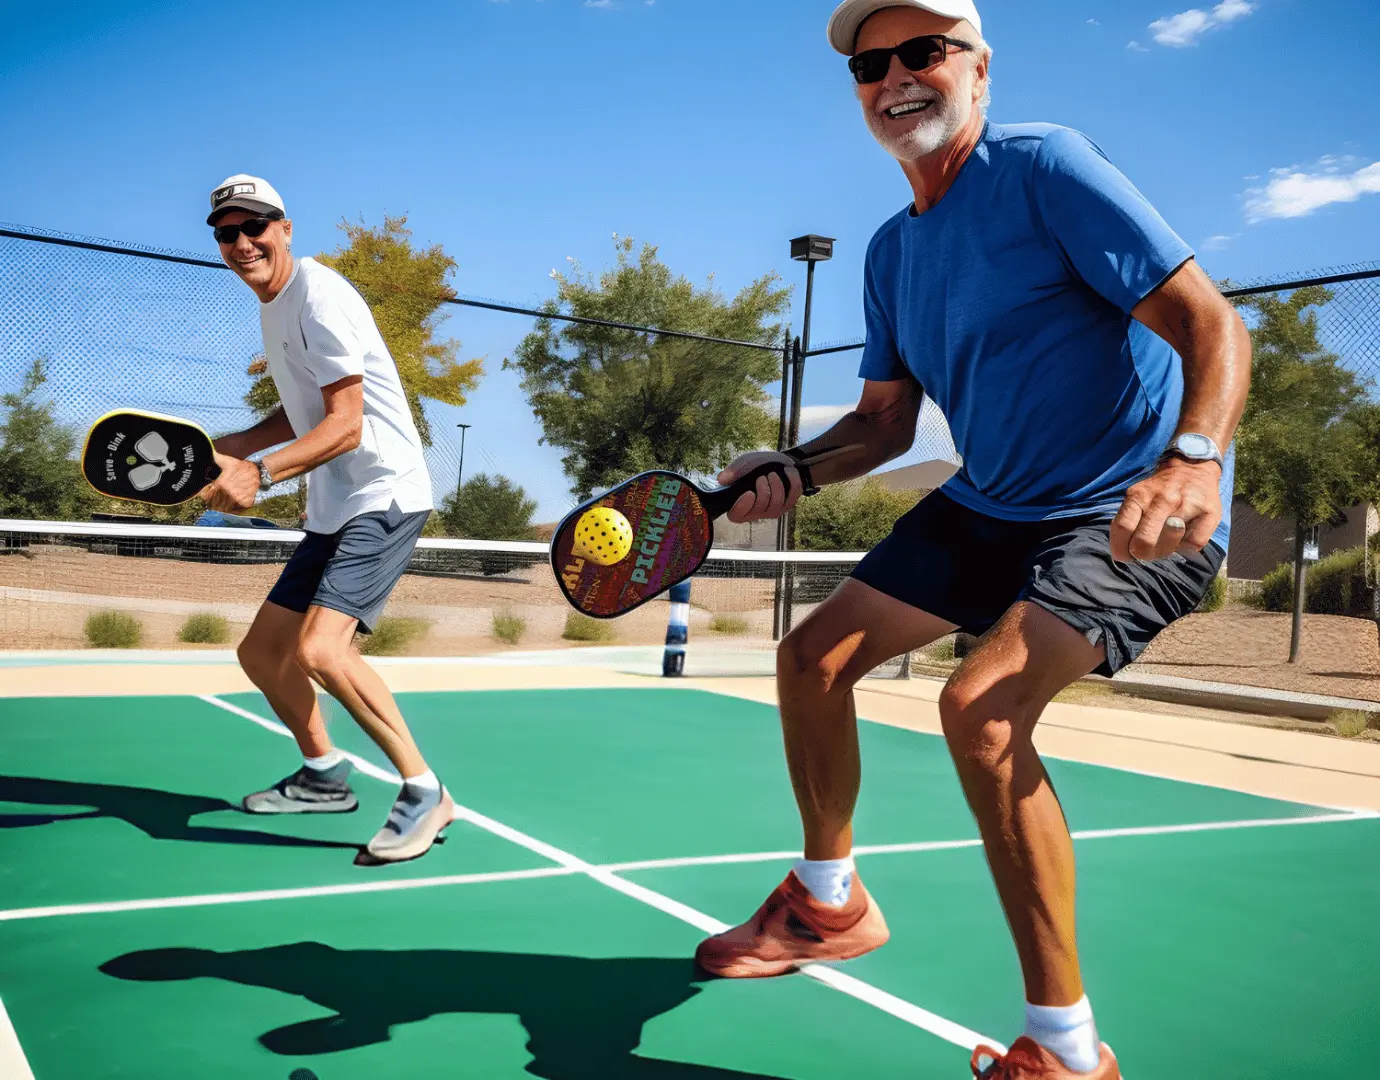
(317,331)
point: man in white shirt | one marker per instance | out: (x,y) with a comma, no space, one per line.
(345,420)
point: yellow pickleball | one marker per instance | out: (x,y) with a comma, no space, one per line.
(603,536)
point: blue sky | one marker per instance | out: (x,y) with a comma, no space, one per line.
(520,133)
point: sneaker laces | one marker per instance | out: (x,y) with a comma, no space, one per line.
(1014,1065)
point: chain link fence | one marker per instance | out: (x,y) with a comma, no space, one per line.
(121,326)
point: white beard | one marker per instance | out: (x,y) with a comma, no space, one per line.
(936,126)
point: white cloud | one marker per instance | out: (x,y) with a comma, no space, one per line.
(1216,243)
(1136,46)
(1297,192)
(1182,30)
(599,3)
(1093,22)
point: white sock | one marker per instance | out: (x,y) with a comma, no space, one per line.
(329,760)
(1067,1032)
(830,881)
(427,782)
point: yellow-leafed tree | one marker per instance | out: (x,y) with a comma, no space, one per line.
(404,287)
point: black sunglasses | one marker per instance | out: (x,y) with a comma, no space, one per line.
(917,54)
(253,227)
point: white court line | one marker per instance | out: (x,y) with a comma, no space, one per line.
(13,1064)
(564,870)
(213,899)
(847,984)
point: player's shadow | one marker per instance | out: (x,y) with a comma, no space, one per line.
(584,1017)
(162,815)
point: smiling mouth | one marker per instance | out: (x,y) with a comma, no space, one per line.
(907,108)
(245,264)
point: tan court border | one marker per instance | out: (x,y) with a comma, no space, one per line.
(1295,766)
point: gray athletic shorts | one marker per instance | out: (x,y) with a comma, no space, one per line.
(968,568)
(354,570)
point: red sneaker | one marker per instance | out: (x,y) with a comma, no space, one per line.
(794,928)
(1028,1060)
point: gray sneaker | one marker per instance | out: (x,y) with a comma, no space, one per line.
(414,824)
(307,791)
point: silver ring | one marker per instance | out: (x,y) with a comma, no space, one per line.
(1176,523)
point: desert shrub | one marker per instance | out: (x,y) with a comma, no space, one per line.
(509,626)
(728,624)
(580,627)
(1216,596)
(113,630)
(392,636)
(204,628)
(1348,723)
(1335,585)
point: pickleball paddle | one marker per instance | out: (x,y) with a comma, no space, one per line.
(672,522)
(148,458)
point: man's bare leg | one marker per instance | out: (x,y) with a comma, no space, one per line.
(821,911)
(423,807)
(989,710)
(268,655)
(817,666)
(325,654)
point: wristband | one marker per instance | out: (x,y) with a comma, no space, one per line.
(807,483)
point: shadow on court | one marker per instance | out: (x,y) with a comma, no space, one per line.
(583,1017)
(162,815)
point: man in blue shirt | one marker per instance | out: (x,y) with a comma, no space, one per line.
(1093,378)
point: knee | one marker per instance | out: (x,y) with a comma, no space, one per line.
(807,662)
(258,658)
(980,721)
(319,658)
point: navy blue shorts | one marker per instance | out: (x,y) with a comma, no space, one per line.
(968,568)
(354,570)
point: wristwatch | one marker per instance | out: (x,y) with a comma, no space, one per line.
(1194,447)
(265,477)
(807,483)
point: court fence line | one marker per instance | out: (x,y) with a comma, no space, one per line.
(173,332)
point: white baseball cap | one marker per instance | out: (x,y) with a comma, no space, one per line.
(244,192)
(849,16)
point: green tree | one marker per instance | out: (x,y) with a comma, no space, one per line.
(1306,449)
(39,474)
(620,402)
(850,517)
(404,287)
(488,509)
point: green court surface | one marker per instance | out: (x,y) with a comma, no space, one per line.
(148,929)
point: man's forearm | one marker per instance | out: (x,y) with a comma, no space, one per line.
(1216,352)
(882,435)
(335,435)
(270,431)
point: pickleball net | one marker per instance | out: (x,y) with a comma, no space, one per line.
(459,598)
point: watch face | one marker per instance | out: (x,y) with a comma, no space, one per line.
(1194,446)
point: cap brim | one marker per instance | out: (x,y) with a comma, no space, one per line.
(249,206)
(848,18)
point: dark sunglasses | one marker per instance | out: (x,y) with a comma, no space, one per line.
(917,54)
(254,227)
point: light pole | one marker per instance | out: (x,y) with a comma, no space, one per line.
(809,249)
(460,480)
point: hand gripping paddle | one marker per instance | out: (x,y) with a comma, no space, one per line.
(608,567)
(148,458)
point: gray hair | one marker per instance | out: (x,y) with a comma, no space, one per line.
(983,51)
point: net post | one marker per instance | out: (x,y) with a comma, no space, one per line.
(677,632)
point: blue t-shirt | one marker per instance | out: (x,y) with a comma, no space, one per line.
(1010,302)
